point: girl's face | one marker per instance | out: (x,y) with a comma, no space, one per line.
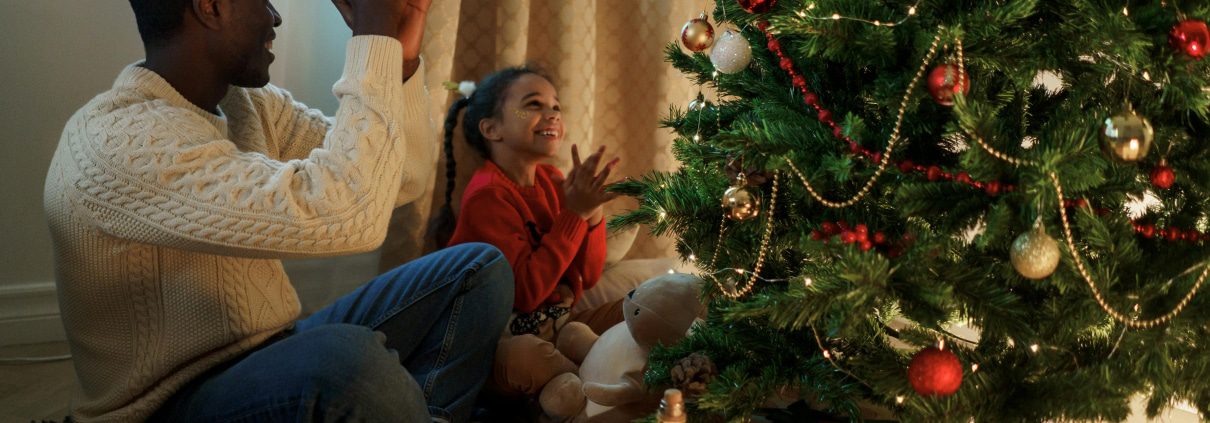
(530,122)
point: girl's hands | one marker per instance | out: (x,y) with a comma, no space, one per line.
(584,188)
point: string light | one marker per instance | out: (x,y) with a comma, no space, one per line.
(1033,348)
(827,354)
(692,257)
(836,17)
(974,367)
(670,271)
(807,282)
(899,399)
(697,137)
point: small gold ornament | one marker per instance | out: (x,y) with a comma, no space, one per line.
(741,202)
(1035,254)
(1127,136)
(697,34)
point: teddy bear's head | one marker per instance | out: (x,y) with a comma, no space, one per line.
(661,310)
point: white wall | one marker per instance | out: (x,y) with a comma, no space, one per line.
(55,55)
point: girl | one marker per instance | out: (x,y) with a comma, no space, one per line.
(549,227)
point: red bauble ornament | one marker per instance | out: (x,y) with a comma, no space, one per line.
(1191,37)
(946,80)
(757,6)
(1162,176)
(935,372)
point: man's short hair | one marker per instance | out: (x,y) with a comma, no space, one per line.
(159,20)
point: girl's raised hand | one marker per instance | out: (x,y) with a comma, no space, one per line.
(584,188)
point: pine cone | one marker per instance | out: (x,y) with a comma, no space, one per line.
(691,374)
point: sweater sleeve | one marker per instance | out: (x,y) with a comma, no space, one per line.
(488,216)
(590,260)
(301,129)
(164,176)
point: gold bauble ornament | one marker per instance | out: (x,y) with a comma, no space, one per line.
(697,34)
(1035,254)
(1127,136)
(741,203)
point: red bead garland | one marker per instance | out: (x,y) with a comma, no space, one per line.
(800,82)
(1148,230)
(933,173)
(1171,234)
(859,234)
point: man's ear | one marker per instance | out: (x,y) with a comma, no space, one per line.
(490,128)
(209,13)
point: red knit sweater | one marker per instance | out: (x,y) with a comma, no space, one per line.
(545,243)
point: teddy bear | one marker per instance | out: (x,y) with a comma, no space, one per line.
(660,311)
(530,364)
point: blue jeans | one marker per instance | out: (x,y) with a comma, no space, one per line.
(413,345)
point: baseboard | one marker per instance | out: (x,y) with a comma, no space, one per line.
(29,314)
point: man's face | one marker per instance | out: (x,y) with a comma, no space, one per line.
(248,42)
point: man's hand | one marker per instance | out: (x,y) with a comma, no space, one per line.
(373,17)
(409,29)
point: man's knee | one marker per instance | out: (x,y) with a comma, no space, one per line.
(359,373)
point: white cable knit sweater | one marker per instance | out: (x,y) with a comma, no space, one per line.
(169,222)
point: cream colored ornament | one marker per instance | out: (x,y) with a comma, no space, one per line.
(1035,254)
(731,52)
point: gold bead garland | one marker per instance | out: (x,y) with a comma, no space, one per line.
(890,148)
(760,258)
(1131,322)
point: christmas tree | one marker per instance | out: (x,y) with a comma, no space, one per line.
(950,209)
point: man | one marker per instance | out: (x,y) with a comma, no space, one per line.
(173,196)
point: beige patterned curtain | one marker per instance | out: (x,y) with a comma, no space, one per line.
(606,59)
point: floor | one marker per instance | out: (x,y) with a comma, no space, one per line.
(41,391)
(35,392)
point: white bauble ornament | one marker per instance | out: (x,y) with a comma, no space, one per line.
(731,52)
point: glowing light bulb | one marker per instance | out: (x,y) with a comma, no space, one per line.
(1033,348)
(835,16)
(912,11)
